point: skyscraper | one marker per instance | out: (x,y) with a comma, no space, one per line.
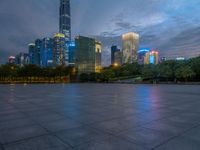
(114,49)
(65,19)
(31,52)
(71,51)
(59,50)
(130,47)
(46,53)
(118,59)
(22,59)
(87,55)
(38,47)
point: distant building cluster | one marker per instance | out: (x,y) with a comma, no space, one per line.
(131,53)
(83,53)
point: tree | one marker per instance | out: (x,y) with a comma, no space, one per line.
(107,74)
(84,77)
(195,66)
(165,71)
(149,71)
(185,72)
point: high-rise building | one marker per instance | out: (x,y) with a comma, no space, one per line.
(46,53)
(141,55)
(22,59)
(114,49)
(71,49)
(87,55)
(60,55)
(38,47)
(65,19)
(32,53)
(118,59)
(151,57)
(130,44)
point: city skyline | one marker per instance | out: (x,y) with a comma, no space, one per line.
(171,28)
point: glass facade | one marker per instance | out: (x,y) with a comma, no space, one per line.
(87,55)
(38,47)
(114,49)
(65,19)
(71,51)
(46,54)
(22,59)
(31,50)
(118,58)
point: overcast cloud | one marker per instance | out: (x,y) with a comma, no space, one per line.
(171,26)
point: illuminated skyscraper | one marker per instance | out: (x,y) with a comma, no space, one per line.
(141,55)
(59,50)
(151,57)
(46,53)
(32,54)
(70,45)
(130,44)
(65,19)
(87,55)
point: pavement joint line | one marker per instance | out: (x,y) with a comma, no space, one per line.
(64,142)
(167,141)
(48,133)
(25,139)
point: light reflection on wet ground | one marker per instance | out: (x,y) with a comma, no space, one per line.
(99,116)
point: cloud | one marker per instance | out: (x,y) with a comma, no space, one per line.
(170,26)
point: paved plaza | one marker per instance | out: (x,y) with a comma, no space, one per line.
(99,117)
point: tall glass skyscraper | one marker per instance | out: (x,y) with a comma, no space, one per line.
(65,19)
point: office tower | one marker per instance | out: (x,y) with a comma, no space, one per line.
(130,44)
(31,51)
(65,19)
(71,50)
(113,50)
(38,47)
(22,59)
(60,56)
(118,58)
(141,55)
(46,54)
(87,55)
(151,57)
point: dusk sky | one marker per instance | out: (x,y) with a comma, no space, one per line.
(170,26)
